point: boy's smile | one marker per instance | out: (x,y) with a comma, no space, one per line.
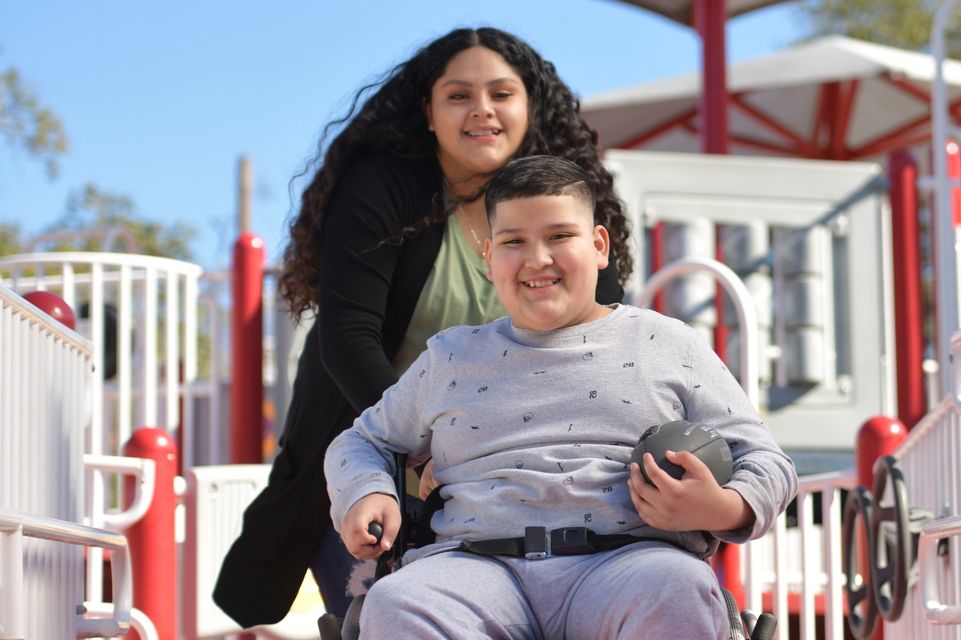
(543,258)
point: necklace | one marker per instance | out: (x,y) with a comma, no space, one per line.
(470,228)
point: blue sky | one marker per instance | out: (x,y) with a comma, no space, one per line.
(160,99)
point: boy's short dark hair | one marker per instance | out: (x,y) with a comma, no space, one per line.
(533,176)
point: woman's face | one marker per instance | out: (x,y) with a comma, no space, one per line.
(478,111)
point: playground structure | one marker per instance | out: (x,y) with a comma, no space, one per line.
(825,290)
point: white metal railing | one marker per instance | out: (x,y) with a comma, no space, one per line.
(74,621)
(936,610)
(799,568)
(45,381)
(929,460)
(152,302)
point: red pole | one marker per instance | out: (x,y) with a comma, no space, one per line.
(908,309)
(954,174)
(710,17)
(246,332)
(709,21)
(153,548)
(879,436)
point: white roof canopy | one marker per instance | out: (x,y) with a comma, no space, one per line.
(877,90)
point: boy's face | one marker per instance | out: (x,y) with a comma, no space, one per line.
(543,258)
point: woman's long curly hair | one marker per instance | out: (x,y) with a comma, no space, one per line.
(392,120)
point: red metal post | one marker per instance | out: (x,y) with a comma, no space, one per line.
(908,310)
(954,174)
(246,332)
(878,436)
(710,17)
(709,21)
(153,547)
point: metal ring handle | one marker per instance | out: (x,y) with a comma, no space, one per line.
(889,581)
(862,623)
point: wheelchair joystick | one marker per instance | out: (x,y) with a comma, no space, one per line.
(375,529)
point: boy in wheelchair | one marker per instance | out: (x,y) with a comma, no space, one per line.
(548,530)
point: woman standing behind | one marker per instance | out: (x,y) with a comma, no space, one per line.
(387,250)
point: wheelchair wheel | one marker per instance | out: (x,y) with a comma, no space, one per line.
(350,630)
(733,616)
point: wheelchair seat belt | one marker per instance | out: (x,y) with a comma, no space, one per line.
(538,543)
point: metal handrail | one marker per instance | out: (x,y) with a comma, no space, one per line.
(929,564)
(743,306)
(144,473)
(14,525)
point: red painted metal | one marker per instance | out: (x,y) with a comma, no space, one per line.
(878,436)
(908,323)
(909,88)
(246,387)
(895,138)
(649,134)
(842,118)
(954,174)
(54,306)
(153,547)
(827,104)
(801,147)
(709,21)
(657,261)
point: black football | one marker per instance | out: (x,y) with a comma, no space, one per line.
(701,440)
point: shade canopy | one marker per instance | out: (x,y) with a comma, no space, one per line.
(680,10)
(833,97)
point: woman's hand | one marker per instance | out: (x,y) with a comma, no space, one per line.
(694,503)
(376,507)
(427,480)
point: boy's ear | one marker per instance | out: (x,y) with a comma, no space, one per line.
(487,257)
(602,244)
(428,114)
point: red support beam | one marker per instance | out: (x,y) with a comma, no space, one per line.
(827,101)
(902,138)
(709,21)
(909,88)
(908,304)
(649,134)
(801,146)
(840,120)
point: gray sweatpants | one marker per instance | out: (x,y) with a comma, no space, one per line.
(644,590)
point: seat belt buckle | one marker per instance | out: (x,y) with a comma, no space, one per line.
(537,545)
(571,541)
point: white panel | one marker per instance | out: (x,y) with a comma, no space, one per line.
(45,374)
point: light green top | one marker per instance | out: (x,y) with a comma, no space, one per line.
(457,292)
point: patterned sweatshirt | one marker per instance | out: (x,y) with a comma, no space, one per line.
(534,428)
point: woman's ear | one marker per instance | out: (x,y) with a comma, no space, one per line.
(602,244)
(428,115)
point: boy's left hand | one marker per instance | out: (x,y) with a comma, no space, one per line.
(693,503)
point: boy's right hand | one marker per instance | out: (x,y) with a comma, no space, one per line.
(376,507)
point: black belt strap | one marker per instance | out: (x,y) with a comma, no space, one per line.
(537,543)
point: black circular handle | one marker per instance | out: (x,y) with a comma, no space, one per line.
(375,529)
(890,580)
(862,609)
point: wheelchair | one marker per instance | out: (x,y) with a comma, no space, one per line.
(415,532)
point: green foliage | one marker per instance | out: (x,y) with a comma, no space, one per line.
(24,122)
(94,217)
(905,24)
(9,239)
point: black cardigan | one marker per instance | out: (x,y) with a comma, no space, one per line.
(367,298)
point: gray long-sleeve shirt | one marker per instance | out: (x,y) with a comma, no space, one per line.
(532,428)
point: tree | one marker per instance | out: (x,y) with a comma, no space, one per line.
(898,23)
(9,239)
(94,219)
(26,123)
